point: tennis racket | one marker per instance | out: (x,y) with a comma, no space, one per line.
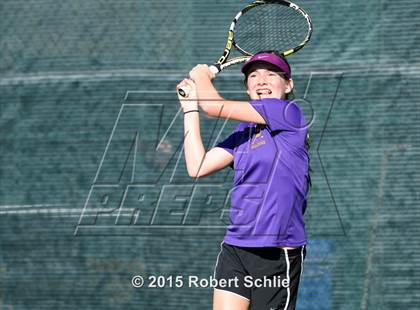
(264,25)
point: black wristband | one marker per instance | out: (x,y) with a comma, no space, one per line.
(191,111)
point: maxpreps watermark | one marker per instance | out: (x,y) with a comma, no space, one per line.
(141,185)
(193,281)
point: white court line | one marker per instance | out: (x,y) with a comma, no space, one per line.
(46,208)
(169,75)
(77,211)
(31,206)
(87,75)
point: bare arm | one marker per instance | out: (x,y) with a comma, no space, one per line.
(199,162)
(215,105)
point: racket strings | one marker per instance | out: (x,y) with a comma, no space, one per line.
(270,27)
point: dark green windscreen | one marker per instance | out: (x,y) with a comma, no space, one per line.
(93,184)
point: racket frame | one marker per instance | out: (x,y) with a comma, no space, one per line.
(223,62)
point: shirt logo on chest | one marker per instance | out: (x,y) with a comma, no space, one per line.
(258,139)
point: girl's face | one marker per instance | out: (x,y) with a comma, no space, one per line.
(264,81)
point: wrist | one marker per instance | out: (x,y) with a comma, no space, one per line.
(191,111)
(189,108)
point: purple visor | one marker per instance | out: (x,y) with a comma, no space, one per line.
(271,59)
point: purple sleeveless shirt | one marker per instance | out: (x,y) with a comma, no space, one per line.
(271,173)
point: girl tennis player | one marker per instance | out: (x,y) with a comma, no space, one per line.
(261,257)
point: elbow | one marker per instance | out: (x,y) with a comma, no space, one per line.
(191,174)
(195,175)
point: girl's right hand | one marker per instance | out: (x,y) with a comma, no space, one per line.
(189,102)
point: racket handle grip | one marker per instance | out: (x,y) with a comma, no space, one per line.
(184,91)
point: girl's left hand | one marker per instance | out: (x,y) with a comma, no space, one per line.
(201,72)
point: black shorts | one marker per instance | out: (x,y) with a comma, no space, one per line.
(268,277)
